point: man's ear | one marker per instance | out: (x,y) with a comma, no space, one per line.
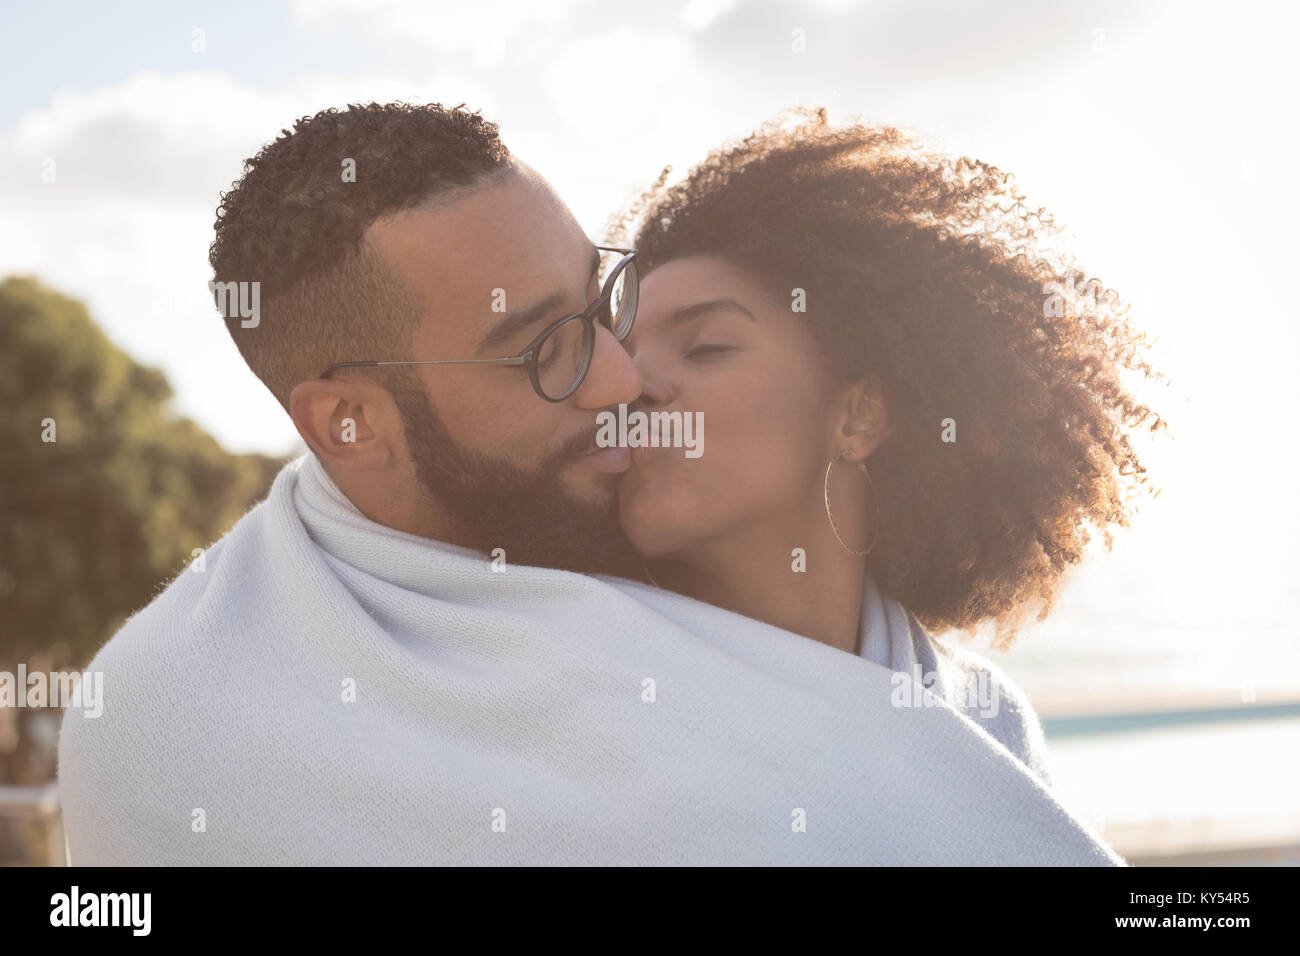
(352,425)
(861,421)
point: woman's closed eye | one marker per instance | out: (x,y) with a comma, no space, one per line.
(709,351)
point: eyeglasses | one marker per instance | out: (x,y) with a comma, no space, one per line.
(559,358)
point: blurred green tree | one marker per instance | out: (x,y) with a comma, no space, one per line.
(93,524)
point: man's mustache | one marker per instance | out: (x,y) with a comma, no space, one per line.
(586,441)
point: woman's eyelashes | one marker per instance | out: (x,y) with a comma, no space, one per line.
(708,351)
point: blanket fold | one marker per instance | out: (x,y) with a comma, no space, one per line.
(331,691)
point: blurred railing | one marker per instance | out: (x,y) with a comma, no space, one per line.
(41,805)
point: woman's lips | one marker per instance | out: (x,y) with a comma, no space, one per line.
(611,460)
(643,453)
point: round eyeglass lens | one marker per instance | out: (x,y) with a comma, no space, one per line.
(622,301)
(563,358)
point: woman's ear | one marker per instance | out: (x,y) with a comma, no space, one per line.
(349,425)
(861,420)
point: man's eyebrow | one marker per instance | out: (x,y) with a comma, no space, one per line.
(688,312)
(507,328)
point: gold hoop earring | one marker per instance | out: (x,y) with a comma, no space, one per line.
(862,467)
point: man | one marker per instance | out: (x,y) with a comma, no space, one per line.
(391,659)
(408,233)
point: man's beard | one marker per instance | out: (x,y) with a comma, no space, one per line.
(493,504)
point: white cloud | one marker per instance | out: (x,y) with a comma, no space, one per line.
(125,226)
(698,14)
(486,30)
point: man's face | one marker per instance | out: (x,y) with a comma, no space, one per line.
(509,469)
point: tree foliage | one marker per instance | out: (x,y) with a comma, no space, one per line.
(93,524)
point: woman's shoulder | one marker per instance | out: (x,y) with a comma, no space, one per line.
(987,695)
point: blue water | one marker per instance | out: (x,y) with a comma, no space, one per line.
(1092,724)
(1190,781)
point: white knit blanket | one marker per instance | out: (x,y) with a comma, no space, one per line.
(331,691)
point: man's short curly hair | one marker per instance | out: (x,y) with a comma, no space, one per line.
(927,276)
(294,224)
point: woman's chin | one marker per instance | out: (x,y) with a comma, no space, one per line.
(647,539)
(652,528)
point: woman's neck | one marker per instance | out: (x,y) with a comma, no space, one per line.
(757,573)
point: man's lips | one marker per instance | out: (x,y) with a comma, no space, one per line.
(611,460)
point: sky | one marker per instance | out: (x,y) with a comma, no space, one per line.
(1163,134)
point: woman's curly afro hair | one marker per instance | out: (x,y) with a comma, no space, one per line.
(927,276)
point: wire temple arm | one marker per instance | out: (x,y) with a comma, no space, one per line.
(510,360)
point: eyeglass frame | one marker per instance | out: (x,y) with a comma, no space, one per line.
(528,356)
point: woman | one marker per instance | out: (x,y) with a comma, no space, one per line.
(897,412)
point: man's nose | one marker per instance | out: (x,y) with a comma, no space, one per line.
(648,357)
(654,391)
(613,378)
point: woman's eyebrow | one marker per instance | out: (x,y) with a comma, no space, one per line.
(688,312)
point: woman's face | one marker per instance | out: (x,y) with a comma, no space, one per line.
(708,340)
